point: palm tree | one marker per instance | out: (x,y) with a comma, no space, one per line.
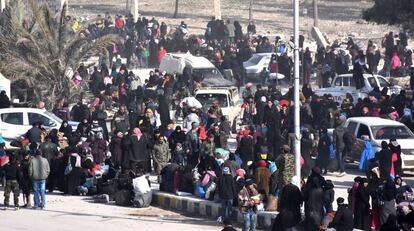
(42,50)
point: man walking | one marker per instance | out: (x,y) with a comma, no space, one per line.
(338,140)
(39,171)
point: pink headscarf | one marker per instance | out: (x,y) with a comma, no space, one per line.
(137,132)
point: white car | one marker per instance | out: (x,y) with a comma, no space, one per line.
(343,84)
(256,63)
(378,130)
(15,122)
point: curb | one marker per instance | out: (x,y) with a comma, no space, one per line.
(205,208)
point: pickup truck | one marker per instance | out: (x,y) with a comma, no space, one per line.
(343,84)
(377,130)
(228,97)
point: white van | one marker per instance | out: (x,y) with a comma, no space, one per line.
(174,63)
(15,122)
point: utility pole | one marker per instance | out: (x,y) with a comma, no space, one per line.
(127,8)
(315,13)
(296,90)
(217,8)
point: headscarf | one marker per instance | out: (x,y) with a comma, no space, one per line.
(137,132)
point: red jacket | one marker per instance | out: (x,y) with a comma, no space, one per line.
(161,54)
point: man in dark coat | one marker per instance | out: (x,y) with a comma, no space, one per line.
(384,157)
(227,192)
(272,121)
(343,219)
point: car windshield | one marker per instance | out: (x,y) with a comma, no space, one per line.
(53,116)
(206,72)
(255,59)
(372,82)
(207,99)
(383,82)
(389,132)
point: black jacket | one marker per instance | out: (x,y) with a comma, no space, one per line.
(343,220)
(227,187)
(12,171)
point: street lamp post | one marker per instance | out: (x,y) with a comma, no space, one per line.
(296,89)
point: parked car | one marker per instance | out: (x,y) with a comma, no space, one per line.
(256,63)
(15,122)
(377,130)
(343,84)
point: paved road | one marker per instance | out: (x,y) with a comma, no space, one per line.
(80,213)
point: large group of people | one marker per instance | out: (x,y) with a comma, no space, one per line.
(195,157)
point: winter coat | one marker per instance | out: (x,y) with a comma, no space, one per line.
(116,149)
(48,150)
(338,138)
(161,153)
(285,169)
(343,220)
(262,176)
(362,218)
(384,157)
(366,156)
(227,187)
(98,150)
(120,122)
(39,168)
(289,208)
(137,149)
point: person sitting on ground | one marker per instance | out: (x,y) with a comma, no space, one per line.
(343,220)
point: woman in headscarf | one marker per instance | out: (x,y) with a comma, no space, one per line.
(99,148)
(73,177)
(137,147)
(362,217)
(116,149)
(66,129)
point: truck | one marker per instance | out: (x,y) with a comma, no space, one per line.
(229,99)
(343,84)
(174,63)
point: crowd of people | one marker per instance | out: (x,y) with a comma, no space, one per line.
(195,157)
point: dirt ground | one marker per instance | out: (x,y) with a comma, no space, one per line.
(337,18)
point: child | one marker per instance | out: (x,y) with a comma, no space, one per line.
(12,174)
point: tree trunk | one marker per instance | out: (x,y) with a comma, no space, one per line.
(315,13)
(217,8)
(250,11)
(176,9)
